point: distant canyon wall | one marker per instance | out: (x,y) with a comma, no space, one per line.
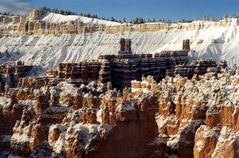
(216,40)
(33,25)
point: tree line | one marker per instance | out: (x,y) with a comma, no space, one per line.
(136,20)
(7,14)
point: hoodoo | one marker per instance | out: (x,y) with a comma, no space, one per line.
(82,109)
(73,86)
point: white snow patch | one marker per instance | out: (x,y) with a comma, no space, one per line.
(4,101)
(58,18)
(161,120)
(173,142)
(125,107)
(21,138)
(209,132)
(199,145)
(99,115)
(67,89)
(60,145)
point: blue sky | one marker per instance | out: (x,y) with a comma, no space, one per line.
(164,9)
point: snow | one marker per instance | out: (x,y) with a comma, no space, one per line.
(209,132)
(60,145)
(57,126)
(104,129)
(27,103)
(55,109)
(208,93)
(173,142)
(50,50)
(21,138)
(99,115)
(87,134)
(199,145)
(67,89)
(58,18)
(88,131)
(22,135)
(161,120)
(125,107)
(226,138)
(40,92)
(5,101)
(13,156)
(54,91)
(224,134)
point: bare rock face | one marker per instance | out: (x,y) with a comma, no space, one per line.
(219,135)
(22,140)
(205,141)
(132,119)
(198,117)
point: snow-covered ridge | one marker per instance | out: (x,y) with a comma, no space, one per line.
(220,43)
(216,40)
(58,18)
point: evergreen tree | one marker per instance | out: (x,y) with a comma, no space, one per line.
(112,19)
(124,20)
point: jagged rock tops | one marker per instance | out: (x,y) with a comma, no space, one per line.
(220,90)
(87,113)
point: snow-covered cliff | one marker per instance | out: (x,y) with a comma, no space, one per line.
(210,41)
(58,18)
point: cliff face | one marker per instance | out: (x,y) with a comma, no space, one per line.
(176,117)
(38,40)
(40,22)
(204,123)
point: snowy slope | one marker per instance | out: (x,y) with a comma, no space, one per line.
(58,18)
(48,51)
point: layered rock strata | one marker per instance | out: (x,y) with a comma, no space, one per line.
(35,24)
(11,73)
(121,69)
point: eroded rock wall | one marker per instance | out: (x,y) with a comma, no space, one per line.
(175,117)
